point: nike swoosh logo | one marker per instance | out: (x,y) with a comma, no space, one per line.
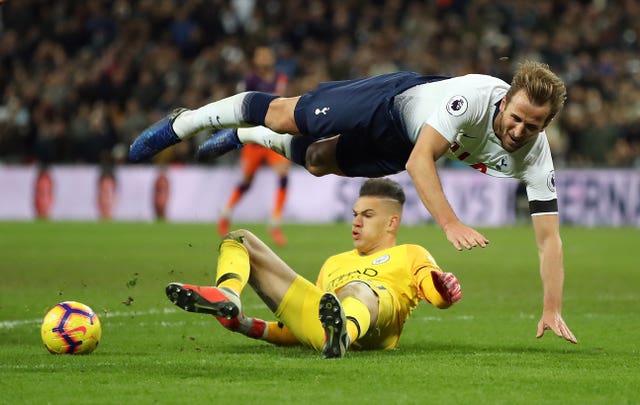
(196,305)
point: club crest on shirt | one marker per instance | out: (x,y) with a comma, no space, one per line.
(551,181)
(457,105)
(381,259)
(502,163)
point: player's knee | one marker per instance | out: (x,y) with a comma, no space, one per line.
(359,290)
(363,293)
(280,117)
(248,239)
(318,163)
(317,171)
(239,235)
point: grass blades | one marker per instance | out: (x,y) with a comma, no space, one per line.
(482,350)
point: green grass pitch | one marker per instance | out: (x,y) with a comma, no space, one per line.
(483,350)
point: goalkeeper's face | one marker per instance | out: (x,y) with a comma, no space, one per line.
(375,224)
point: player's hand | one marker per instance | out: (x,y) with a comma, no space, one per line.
(554,321)
(462,236)
(447,285)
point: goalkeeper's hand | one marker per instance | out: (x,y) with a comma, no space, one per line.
(447,285)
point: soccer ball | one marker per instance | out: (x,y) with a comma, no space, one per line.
(72,328)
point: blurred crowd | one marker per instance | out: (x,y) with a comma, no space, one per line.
(80,79)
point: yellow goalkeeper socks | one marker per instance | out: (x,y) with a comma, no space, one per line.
(233,266)
(358,313)
(278,334)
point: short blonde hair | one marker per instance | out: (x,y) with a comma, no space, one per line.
(541,85)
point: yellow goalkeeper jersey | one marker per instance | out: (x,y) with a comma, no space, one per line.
(401,270)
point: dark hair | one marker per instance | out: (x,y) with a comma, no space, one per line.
(383,187)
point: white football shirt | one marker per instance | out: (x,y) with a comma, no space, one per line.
(462,109)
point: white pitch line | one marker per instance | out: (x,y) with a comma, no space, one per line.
(110,314)
(114,314)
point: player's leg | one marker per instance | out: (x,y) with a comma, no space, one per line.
(243,259)
(292,298)
(280,116)
(281,166)
(223,299)
(318,156)
(387,316)
(274,132)
(316,149)
(353,119)
(360,304)
(250,160)
(226,140)
(275,283)
(347,317)
(348,107)
(270,276)
(241,110)
(298,313)
(334,324)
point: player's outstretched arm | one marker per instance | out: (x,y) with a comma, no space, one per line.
(421,166)
(447,285)
(547,231)
(554,321)
(441,289)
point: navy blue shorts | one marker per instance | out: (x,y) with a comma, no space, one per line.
(370,144)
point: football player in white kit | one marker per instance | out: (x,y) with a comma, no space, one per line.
(384,124)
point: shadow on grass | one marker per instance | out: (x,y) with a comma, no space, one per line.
(411,349)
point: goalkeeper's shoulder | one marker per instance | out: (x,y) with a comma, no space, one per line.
(419,253)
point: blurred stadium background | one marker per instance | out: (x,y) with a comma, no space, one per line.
(79,80)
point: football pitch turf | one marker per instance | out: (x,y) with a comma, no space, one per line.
(482,350)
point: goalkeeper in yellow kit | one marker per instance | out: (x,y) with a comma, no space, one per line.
(361,298)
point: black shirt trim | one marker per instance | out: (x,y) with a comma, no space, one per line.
(539,207)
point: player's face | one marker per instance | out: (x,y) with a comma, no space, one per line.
(263,58)
(519,121)
(372,224)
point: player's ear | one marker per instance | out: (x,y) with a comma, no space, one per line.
(394,221)
(503,103)
(547,122)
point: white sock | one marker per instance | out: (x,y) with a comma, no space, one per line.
(225,113)
(279,143)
